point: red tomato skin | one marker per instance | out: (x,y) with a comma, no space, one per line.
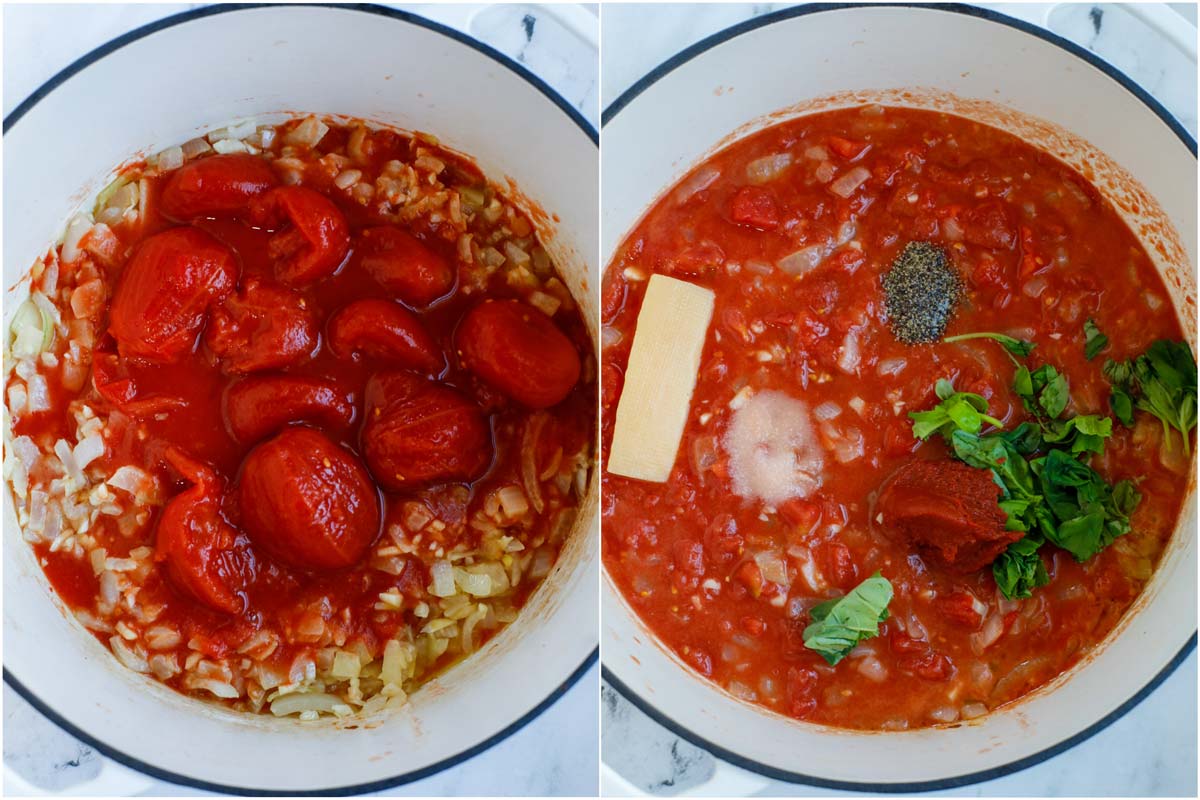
(308,502)
(416,432)
(166,291)
(383,330)
(311,239)
(262,327)
(205,556)
(215,186)
(755,206)
(258,406)
(517,349)
(404,266)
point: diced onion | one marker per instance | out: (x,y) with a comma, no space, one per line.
(952,230)
(772,566)
(803,260)
(227,146)
(849,182)
(817,153)
(697,182)
(443,578)
(827,411)
(395,660)
(944,714)
(548,304)
(849,446)
(515,254)
(768,168)
(195,147)
(891,366)
(848,354)
(128,657)
(873,669)
(76,228)
(39,393)
(973,710)
(17,397)
(346,665)
(169,159)
(472,583)
(825,171)
(26,451)
(308,133)
(88,450)
(1034,286)
(846,232)
(239,131)
(299,702)
(32,330)
(512,501)
(703,454)
(529,472)
(993,628)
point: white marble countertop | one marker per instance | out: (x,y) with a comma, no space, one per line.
(557,753)
(1151,751)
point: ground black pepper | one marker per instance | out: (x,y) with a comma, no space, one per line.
(921,291)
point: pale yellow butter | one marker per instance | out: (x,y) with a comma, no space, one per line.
(661,375)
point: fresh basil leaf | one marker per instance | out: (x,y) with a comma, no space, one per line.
(1018,347)
(1054,394)
(1162,382)
(1092,424)
(1019,569)
(1121,403)
(1094,340)
(838,625)
(944,389)
(958,410)
(1082,536)
(1023,383)
(1026,438)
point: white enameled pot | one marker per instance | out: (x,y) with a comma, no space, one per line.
(1008,74)
(162,85)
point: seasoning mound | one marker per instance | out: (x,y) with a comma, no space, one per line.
(920,291)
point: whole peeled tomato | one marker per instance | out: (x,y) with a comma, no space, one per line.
(262,327)
(308,502)
(404,266)
(417,432)
(260,405)
(205,556)
(311,236)
(518,350)
(166,291)
(384,331)
(215,186)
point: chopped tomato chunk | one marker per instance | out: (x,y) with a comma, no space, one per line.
(756,207)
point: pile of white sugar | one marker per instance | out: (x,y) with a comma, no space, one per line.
(773,452)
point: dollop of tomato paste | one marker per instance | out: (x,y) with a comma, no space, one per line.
(948,512)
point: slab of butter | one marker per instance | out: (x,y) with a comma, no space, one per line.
(659,380)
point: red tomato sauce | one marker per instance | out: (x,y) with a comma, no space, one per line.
(178,407)
(1038,251)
